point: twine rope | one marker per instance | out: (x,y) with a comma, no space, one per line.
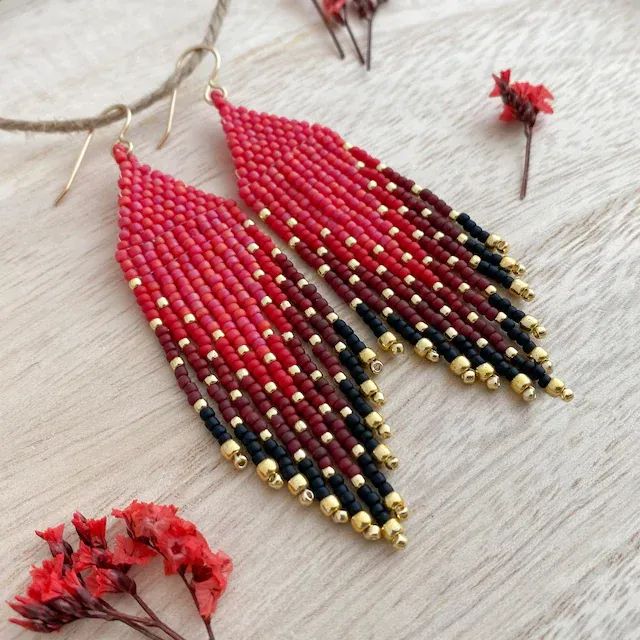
(88,124)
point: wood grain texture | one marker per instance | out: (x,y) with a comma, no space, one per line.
(526,520)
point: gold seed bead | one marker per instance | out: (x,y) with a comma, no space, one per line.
(271,413)
(297,397)
(265,434)
(423,347)
(539,355)
(521,288)
(462,238)
(369,387)
(384,431)
(212,355)
(391,529)
(155,323)
(357,481)
(416,189)
(493,383)
(234,395)
(360,521)
(387,341)
(357,450)
(328,472)
(306,498)
(134,282)
(264,214)
(323,270)
(450,333)
(472,317)
(372,533)
(474,261)
(266,469)
(482,343)
(484,371)
(162,302)
(378,399)
(236,421)
(270,387)
(382,209)
(464,287)
(326,437)
(176,362)
(300,426)
(339,377)
(294,369)
(217,334)
(523,386)
(228,449)
(299,455)
(453,214)
(184,342)
(462,368)
(374,420)
(340,517)
(329,505)
(500,316)
(391,186)
(511,352)
(490,290)
(382,454)
(242,349)
(210,379)
(199,405)
(437,286)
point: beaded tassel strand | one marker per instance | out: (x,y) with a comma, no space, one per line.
(289,377)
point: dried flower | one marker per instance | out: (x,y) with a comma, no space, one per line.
(522,101)
(72,584)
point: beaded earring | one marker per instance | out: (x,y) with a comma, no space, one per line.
(237,322)
(403,259)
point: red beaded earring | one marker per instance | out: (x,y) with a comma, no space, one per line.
(404,260)
(237,322)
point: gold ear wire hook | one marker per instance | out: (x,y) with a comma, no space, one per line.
(121,139)
(211,85)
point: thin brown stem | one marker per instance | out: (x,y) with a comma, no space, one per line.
(207,624)
(345,19)
(156,620)
(369,39)
(130,621)
(528,131)
(327,24)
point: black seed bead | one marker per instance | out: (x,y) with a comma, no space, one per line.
(270,446)
(240,431)
(377,327)
(305,464)
(367,495)
(379,513)
(385,489)
(316,483)
(544,380)
(528,346)
(516,314)
(223,437)
(369,443)
(508,324)
(254,447)
(207,412)
(321,493)
(361,406)
(287,471)
(250,437)
(463,219)
(259,457)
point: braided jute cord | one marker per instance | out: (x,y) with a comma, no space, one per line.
(174,80)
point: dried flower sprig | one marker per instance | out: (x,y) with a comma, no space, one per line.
(522,101)
(71,586)
(336,12)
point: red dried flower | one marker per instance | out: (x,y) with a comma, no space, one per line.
(91,532)
(333,8)
(72,584)
(522,101)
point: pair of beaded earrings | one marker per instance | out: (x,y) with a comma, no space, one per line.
(290,379)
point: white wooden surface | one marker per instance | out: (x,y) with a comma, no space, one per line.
(525,518)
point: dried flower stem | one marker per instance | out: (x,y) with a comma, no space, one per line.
(369,39)
(528,131)
(157,622)
(327,24)
(345,19)
(207,623)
